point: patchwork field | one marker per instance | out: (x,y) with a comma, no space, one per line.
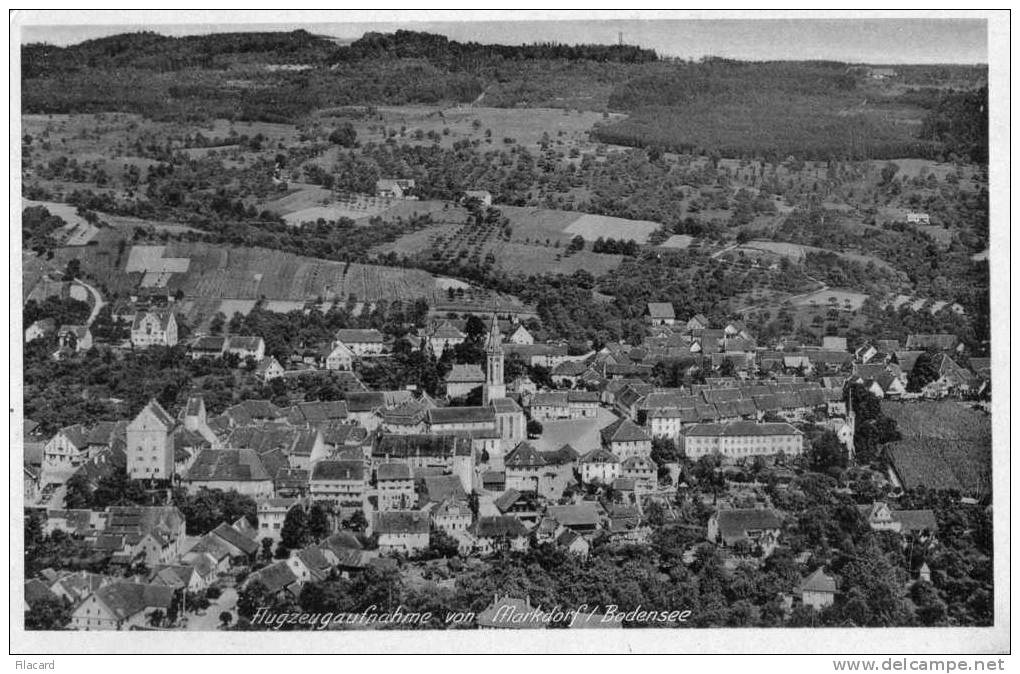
(797,252)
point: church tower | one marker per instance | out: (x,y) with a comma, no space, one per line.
(494,389)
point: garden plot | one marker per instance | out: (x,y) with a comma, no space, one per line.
(593,227)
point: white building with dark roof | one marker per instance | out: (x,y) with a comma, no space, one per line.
(743,439)
(150,444)
(361,342)
(154,328)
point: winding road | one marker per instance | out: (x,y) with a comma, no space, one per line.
(97,305)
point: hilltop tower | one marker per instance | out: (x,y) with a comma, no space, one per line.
(494,388)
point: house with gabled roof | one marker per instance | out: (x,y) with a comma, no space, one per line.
(660,313)
(756,528)
(599,466)
(63,453)
(154,328)
(343,483)
(405,531)
(625,439)
(361,342)
(246,346)
(240,470)
(120,606)
(395,486)
(269,369)
(278,578)
(499,532)
(818,590)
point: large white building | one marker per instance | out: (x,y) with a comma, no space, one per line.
(150,444)
(743,439)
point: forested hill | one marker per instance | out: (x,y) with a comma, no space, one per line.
(808,109)
(440,49)
(151,51)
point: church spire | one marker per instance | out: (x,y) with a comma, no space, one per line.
(494,387)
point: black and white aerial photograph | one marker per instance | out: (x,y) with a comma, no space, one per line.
(423,324)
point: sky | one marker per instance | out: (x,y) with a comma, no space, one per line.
(869,40)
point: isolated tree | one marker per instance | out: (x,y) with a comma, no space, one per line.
(344,136)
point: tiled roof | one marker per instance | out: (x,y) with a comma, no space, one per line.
(583,514)
(418,444)
(338,470)
(818,582)
(240,465)
(401,522)
(499,526)
(128,599)
(624,430)
(468,374)
(393,471)
(354,336)
(462,415)
(523,456)
(736,522)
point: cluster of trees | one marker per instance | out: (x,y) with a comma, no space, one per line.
(37,227)
(615,247)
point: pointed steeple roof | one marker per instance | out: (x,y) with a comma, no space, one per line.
(495,338)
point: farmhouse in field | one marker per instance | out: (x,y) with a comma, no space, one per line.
(154,328)
(269,369)
(483,196)
(393,188)
(918,218)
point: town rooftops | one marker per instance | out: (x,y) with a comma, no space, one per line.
(624,430)
(524,455)
(236,465)
(417,444)
(584,514)
(549,399)
(318,412)
(162,316)
(392,471)
(466,374)
(355,336)
(661,310)
(338,470)
(244,343)
(741,428)
(401,522)
(498,526)
(735,523)
(600,456)
(443,487)
(818,581)
(461,415)
(365,401)
(275,577)
(125,600)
